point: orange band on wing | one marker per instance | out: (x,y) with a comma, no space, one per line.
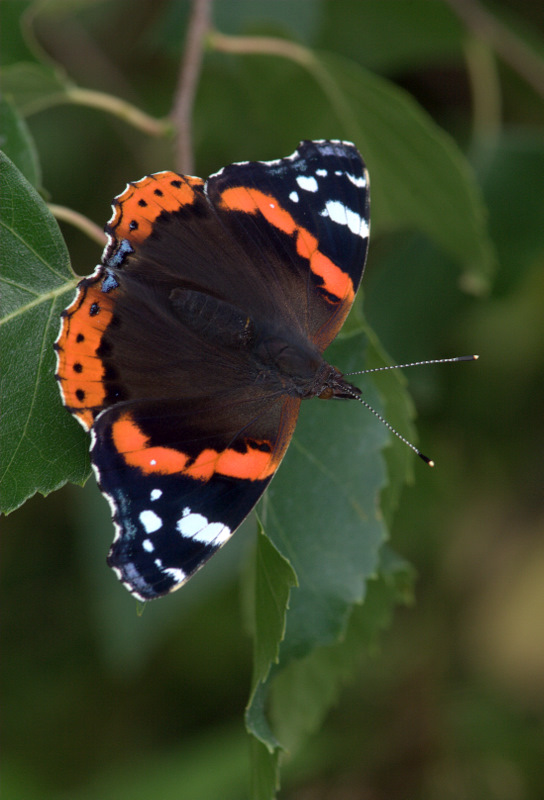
(252,465)
(137,208)
(80,370)
(335,281)
(129,439)
(241,198)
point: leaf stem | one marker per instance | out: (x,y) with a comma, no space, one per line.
(78,220)
(262,45)
(485,90)
(42,298)
(119,108)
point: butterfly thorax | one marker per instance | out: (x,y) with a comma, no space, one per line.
(282,360)
(299,369)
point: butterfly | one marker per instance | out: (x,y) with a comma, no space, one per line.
(188,351)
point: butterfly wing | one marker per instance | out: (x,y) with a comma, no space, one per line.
(178,490)
(283,239)
(309,215)
(154,354)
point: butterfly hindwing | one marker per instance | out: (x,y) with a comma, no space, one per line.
(179,486)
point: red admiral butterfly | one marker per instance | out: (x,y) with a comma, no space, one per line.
(188,350)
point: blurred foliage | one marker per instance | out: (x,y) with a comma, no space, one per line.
(99,702)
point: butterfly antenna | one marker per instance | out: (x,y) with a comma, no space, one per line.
(415,364)
(423,457)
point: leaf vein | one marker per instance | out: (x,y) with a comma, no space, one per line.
(31,249)
(43,298)
(20,286)
(35,390)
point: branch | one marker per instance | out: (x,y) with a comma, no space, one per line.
(76,219)
(486,91)
(189,73)
(120,108)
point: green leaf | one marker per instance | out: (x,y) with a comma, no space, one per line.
(299,20)
(274,578)
(17,143)
(304,692)
(399,412)
(42,446)
(419,176)
(33,87)
(14,41)
(390,36)
(264,771)
(322,514)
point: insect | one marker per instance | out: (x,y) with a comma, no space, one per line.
(188,351)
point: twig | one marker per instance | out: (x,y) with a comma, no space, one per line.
(508,45)
(120,108)
(76,219)
(485,89)
(262,45)
(181,115)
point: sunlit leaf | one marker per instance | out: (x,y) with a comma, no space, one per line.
(42,446)
(33,87)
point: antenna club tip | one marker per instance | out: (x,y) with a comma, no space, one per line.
(475,358)
(427,460)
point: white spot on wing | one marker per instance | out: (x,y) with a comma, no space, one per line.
(176,573)
(196,526)
(215,533)
(321,173)
(148,545)
(308,183)
(151,521)
(293,197)
(156,494)
(357,180)
(342,215)
(191,524)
